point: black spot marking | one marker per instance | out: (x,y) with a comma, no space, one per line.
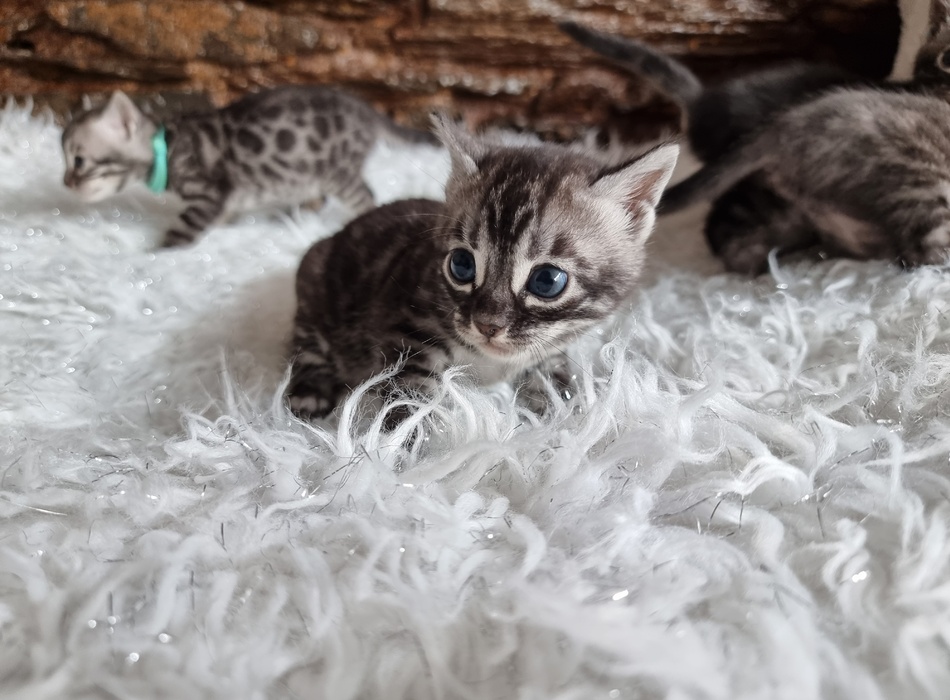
(319,168)
(323,127)
(338,122)
(194,218)
(296,105)
(210,133)
(286,139)
(270,172)
(313,144)
(272,112)
(251,141)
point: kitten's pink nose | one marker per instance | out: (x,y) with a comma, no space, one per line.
(489,330)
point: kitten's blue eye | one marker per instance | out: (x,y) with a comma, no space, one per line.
(547,282)
(462,266)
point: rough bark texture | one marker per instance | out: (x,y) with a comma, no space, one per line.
(499,61)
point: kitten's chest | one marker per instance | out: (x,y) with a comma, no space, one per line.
(483,369)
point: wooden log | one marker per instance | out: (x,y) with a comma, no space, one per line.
(496,61)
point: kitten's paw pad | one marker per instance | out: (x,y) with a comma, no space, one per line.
(310,406)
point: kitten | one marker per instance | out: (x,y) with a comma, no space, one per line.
(869,167)
(750,218)
(534,245)
(279,147)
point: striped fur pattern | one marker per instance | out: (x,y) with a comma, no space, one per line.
(384,287)
(279,147)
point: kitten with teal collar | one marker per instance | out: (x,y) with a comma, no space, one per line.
(534,245)
(279,147)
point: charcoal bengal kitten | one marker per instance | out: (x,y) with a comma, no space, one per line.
(867,167)
(861,168)
(750,218)
(279,147)
(534,245)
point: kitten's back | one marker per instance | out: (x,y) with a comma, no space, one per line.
(297,100)
(722,115)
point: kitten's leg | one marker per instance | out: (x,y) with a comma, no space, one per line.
(315,387)
(534,389)
(911,230)
(928,242)
(201,210)
(418,375)
(749,220)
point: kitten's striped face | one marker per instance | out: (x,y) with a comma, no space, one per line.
(545,247)
(106,149)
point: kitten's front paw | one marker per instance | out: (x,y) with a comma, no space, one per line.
(933,249)
(177,239)
(536,393)
(309,406)
(746,257)
(395,416)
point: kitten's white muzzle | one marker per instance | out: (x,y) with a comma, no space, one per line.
(96,190)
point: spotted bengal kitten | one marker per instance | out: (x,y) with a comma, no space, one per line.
(279,147)
(534,245)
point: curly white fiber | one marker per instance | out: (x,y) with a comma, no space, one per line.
(748,498)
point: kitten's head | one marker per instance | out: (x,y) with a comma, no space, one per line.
(107,147)
(547,240)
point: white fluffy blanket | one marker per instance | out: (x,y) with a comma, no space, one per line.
(748,499)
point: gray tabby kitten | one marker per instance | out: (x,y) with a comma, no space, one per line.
(290,145)
(750,218)
(867,167)
(534,245)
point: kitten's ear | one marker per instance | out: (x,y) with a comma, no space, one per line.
(122,116)
(641,181)
(463,147)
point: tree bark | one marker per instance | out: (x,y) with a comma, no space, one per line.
(496,61)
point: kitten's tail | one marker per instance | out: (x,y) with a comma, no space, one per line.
(719,175)
(671,76)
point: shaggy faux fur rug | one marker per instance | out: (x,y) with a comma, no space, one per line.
(747,499)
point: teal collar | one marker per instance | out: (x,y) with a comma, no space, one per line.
(158,178)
